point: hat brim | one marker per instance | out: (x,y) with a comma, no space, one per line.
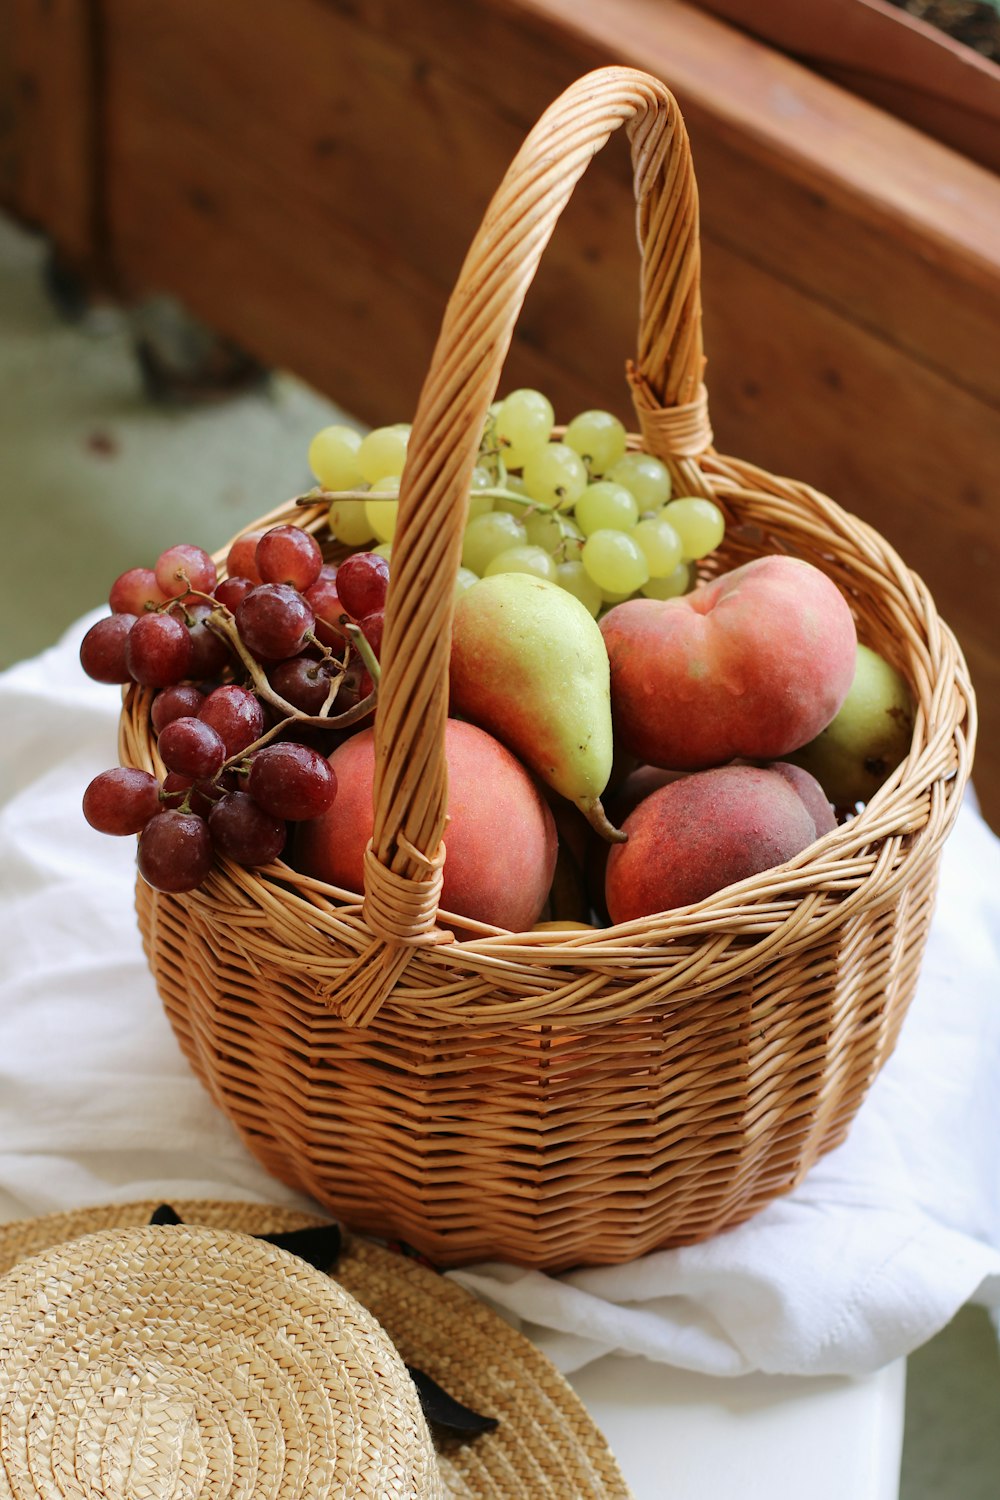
(545,1442)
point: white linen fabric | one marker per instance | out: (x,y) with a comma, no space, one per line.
(869,1257)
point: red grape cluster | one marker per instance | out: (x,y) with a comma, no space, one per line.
(245,670)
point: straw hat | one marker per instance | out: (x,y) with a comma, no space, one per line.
(195,1362)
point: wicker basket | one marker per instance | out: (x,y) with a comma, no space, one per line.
(573,1098)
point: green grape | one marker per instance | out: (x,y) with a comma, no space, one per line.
(517,500)
(384,549)
(487,535)
(646,477)
(464,579)
(382,512)
(383,452)
(570,549)
(573,577)
(349,523)
(599,438)
(482,479)
(523,559)
(524,424)
(680,581)
(615,562)
(479,505)
(554,532)
(333,457)
(555,475)
(699,523)
(660,543)
(605,506)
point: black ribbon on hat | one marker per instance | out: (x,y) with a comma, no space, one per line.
(320,1246)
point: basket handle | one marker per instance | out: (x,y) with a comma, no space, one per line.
(404,863)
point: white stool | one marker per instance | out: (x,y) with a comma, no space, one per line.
(682,1436)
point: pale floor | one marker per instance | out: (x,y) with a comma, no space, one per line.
(94,479)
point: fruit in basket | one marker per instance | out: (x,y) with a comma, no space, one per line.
(867,738)
(158,650)
(175,851)
(751,665)
(528,664)
(500,840)
(705,831)
(818,804)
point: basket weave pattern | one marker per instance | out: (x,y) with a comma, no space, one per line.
(559,1099)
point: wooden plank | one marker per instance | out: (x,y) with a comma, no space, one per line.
(277,273)
(8,107)
(337,136)
(889,57)
(52,130)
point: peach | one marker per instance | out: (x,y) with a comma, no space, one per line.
(751,665)
(709,830)
(818,805)
(500,841)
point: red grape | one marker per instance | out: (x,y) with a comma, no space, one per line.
(244,832)
(237,715)
(192,747)
(303,683)
(357,684)
(362,581)
(135,591)
(103,649)
(175,851)
(232,591)
(177,702)
(371,627)
(122,800)
(274,621)
(200,796)
(291,781)
(324,601)
(185,567)
(210,652)
(242,559)
(287,554)
(158,650)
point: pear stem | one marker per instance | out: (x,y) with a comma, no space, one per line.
(598,819)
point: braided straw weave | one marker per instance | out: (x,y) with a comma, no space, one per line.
(195,1363)
(585,1098)
(178,1361)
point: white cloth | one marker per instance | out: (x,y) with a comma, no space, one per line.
(872,1255)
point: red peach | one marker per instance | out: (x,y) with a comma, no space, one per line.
(500,841)
(702,832)
(753,664)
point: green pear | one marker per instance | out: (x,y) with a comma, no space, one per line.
(529,664)
(867,738)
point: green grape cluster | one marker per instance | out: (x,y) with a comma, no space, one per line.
(581,510)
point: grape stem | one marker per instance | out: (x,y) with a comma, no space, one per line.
(222,622)
(494,491)
(500,492)
(363,647)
